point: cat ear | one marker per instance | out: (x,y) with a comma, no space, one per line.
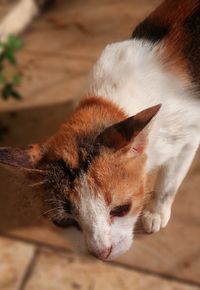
(21,158)
(129,134)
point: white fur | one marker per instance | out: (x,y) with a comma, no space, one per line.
(130,74)
(18,19)
(93,217)
(99,233)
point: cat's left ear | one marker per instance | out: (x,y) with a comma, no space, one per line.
(129,134)
(21,158)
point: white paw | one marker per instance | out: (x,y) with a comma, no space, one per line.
(156,218)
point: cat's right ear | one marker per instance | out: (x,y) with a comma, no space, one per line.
(21,158)
(129,134)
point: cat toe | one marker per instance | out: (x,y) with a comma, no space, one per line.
(151,222)
(154,221)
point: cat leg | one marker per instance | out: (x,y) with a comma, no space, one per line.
(171,175)
(18,18)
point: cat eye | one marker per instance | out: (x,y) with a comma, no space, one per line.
(121,210)
(66,223)
(67,206)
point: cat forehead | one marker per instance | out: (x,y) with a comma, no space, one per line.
(100,175)
(62,168)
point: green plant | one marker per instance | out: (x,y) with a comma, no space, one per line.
(10,75)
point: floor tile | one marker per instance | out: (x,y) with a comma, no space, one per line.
(41,234)
(55,271)
(14,259)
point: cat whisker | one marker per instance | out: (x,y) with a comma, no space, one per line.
(51,210)
(33,170)
(37,184)
(54,200)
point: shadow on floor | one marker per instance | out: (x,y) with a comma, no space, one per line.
(24,127)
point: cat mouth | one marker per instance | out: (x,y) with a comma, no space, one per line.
(67,223)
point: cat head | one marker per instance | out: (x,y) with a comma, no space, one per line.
(92,174)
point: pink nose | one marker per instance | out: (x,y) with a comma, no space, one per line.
(102,255)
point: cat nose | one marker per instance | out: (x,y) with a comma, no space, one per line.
(103,254)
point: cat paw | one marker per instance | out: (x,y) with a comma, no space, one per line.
(155,219)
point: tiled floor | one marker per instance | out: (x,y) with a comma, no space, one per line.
(28,267)
(59,50)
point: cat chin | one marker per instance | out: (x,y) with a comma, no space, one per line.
(120,248)
(75,239)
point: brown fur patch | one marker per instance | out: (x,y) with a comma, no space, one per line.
(173,14)
(173,24)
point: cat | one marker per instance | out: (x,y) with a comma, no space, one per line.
(19,18)
(141,111)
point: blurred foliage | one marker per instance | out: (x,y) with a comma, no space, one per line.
(10,75)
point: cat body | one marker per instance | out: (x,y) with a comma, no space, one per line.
(159,65)
(141,111)
(130,74)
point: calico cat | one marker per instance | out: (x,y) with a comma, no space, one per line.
(141,111)
(21,16)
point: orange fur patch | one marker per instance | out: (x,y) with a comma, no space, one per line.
(88,118)
(119,178)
